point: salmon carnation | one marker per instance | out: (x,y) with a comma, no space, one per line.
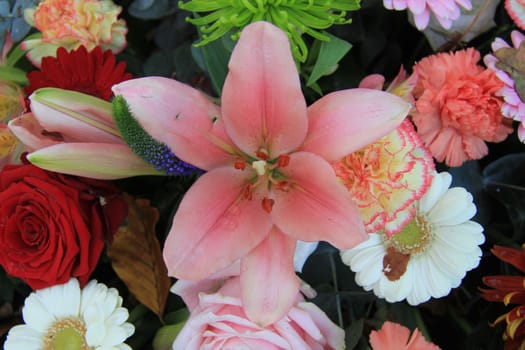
(457,109)
(386,177)
(72,23)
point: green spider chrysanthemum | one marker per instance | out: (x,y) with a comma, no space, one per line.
(295,17)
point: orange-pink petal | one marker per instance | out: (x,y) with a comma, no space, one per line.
(215,225)
(344,121)
(395,336)
(316,206)
(262,102)
(270,265)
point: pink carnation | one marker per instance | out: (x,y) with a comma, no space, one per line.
(218,321)
(395,336)
(445,11)
(457,108)
(513,106)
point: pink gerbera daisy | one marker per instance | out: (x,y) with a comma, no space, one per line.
(457,109)
(502,62)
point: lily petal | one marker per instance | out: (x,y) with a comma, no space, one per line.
(181,117)
(345,121)
(76,116)
(214,225)
(29,131)
(316,208)
(106,160)
(269,264)
(262,102)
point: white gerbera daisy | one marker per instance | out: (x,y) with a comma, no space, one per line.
(432,253)
(66,317)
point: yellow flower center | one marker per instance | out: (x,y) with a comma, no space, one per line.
(66,334)
(413,238)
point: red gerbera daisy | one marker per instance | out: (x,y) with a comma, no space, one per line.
(91,72)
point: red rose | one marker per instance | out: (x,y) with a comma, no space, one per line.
(53,226)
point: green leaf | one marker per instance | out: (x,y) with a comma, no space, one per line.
(330,53)
(504,180)
(13,74)
(177,316)
(17,53)
(354,333)
(166,335)
(213,58)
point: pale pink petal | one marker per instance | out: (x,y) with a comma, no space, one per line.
(344,121)
(189,290)
(390,336)
(29,131)
(333,335)
(179,116)
(270,264)
(499,43)
(421,20)
(84,119)
(106,161)
(372,81)
(416,6)
(516,37)
(214,225)
(262,102)
(316,208)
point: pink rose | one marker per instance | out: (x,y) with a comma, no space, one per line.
(218,321)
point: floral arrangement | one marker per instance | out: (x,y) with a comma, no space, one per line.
(262,174)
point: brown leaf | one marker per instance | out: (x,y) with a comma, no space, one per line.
(512,61)
(137,259)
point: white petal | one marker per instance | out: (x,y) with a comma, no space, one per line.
(22,337)
(440,184)
(419,293)
(302,251)
(37,313)
(455,207)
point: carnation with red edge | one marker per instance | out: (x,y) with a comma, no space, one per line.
(92,73)
(54,226)
(218,321)
(457,109)
(72,23)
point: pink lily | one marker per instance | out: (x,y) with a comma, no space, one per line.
(269,181)
(74,133)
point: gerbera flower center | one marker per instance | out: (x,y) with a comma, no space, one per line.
(413,238)
(66,334)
